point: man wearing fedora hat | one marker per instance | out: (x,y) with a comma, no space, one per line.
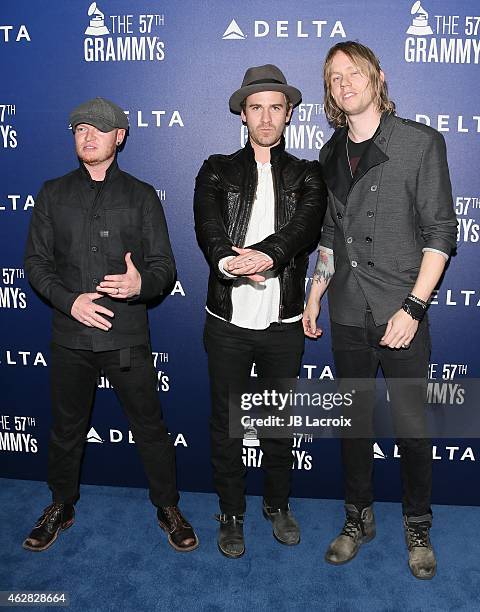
(98,251)
(257,213)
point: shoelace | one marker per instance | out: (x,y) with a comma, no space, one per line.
(50,514)
(418,535)
(174,516)
(352,526)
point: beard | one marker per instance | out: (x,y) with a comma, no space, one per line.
(96,156)
(266,139)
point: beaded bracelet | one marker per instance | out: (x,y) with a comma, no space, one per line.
(416,299)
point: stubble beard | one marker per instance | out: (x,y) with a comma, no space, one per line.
(94,159)
(268,140)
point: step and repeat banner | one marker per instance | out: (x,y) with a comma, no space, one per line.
(172,65)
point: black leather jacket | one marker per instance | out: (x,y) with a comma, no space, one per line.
(224,194)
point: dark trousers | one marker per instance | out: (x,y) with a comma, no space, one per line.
(73,379)
(277,352)
(357,354)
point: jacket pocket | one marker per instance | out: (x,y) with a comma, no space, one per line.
(124,232)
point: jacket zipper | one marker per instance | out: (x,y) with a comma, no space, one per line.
(276,225)
(230,314)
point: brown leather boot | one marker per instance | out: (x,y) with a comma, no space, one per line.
(55,518)
(180,533)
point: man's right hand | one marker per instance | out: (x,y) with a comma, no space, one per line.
(87,312)
(309,321)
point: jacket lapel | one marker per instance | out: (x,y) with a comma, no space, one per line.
(375,153)
(372,157)
(335,167)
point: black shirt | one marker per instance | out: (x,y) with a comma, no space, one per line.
(355,152)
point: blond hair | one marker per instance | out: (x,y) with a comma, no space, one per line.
(369,65)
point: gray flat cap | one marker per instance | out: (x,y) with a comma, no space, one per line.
(101,113)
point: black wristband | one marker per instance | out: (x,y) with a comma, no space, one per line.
(414,309)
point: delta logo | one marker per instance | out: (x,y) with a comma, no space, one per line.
(116,436)
(300,28)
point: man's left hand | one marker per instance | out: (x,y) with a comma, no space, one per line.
(122,286)
(401,330)
(250,263)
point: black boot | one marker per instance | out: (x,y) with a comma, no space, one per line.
(55,518)
(230,535)
(285,527)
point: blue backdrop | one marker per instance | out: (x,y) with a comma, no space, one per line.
(173,65)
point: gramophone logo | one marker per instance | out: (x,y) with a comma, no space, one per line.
(419,25)
(250,437)
(97,25)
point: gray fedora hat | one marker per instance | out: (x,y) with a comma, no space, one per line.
(101,113)
(263,78)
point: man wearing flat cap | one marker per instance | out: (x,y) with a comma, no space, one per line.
(98,251)
(257,213)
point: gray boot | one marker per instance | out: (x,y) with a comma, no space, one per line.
(358,529)
(421,558)
(285,527)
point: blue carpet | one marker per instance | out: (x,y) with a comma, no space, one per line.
(115,557)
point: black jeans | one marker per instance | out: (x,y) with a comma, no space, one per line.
(73,378)
(277,352)
(357,354)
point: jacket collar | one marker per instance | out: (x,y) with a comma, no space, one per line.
(276,152)
(335,166)
(111,172)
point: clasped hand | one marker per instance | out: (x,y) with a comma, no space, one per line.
(117,286)
(249,263)
(122,286)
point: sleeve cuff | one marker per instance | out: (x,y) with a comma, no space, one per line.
(430,250)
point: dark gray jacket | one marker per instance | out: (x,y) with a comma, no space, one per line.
(399,202)
(79,233)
